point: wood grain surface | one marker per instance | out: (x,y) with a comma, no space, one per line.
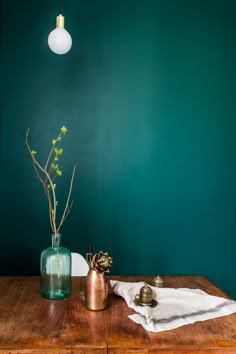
(31,324)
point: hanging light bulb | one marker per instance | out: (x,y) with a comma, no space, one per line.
(59,40)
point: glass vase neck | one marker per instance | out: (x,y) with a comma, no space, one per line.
(56,240)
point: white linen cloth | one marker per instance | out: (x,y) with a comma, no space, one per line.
(175,308)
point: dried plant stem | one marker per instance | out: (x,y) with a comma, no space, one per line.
(67,207)
(46,192)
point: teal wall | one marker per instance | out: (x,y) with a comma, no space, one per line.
(148,95)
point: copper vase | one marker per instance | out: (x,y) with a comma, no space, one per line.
(96,291)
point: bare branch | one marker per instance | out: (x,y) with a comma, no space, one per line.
(52,211)
(68,200)
(46,190)
(68,211)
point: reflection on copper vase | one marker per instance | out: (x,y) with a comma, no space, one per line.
(96,291)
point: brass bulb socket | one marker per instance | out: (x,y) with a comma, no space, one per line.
(60,21)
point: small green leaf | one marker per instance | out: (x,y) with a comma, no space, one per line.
(33,152)
(54,142)
(58,172)
(64,130)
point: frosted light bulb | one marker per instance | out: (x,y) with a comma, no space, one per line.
(59,40)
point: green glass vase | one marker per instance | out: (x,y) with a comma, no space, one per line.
(55,270)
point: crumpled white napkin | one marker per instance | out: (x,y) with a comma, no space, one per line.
(175,308)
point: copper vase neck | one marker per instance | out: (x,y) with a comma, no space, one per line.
(96,291)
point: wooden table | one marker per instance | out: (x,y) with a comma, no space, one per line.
(31,324)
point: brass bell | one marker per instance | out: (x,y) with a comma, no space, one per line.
(145,295)
(158,282)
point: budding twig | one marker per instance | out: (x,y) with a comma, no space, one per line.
(44,176)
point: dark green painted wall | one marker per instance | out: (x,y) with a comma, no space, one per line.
(148,95)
